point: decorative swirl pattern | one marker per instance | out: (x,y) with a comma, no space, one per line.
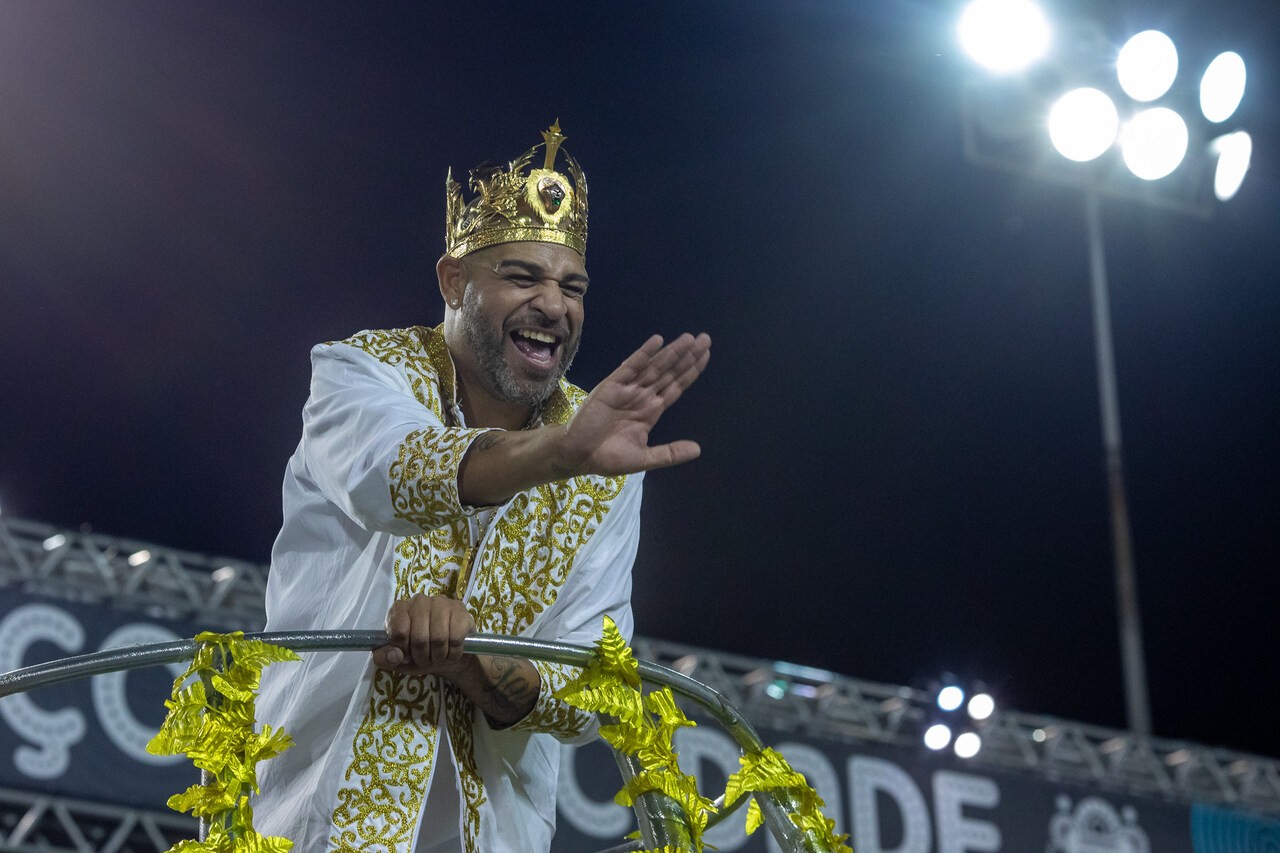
(394,751)
(458,716)
(527,560)
(424,477)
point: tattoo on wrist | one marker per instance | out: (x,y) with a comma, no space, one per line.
(512,692)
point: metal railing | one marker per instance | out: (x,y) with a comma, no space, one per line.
(663,822)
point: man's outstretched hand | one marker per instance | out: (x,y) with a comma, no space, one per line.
(609,434)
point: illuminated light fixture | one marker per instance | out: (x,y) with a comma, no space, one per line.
(1004,35)
(54,542)
(137,558)
(1083,124)
(981,706)
(1234,151)
(937,736)
(950,698)
(968,744)
(1147,65)
(776,689)
(1038,735)
(223,574)
(1222,87)
(1154,143)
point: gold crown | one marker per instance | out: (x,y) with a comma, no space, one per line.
(542,206)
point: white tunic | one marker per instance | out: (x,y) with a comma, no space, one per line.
(371,514)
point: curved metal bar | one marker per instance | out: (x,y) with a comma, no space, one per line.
(776,809)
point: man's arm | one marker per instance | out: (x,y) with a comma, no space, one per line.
(426,634)
(607,435)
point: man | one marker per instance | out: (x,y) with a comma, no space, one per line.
(447,481)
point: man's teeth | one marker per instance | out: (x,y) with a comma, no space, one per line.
(541,337)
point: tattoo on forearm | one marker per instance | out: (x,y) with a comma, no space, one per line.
(487,441)
(512,692)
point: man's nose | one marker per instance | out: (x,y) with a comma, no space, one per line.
(549,300)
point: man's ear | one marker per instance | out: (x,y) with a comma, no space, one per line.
(452,275)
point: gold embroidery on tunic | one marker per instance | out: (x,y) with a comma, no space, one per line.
(528,559)
(458,712)
(394,751)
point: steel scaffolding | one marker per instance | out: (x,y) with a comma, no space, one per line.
(225,592)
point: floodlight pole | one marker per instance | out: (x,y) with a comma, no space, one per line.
(1137,706)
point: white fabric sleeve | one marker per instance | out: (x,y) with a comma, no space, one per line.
(598,586)
(374,450)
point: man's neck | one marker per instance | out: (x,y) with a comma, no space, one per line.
(481,410)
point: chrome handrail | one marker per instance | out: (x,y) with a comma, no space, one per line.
(662,822)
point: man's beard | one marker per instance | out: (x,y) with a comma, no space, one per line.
(488,343)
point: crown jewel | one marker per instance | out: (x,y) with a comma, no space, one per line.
(541,206)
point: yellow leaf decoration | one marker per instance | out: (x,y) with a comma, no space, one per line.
(212,721)
(767,770)
(645,728)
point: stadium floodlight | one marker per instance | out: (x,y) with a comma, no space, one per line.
(54,542)
(1004,36)
(1154,143)
(981,706)
(1083,124)
(968,744)
(937,736)
(137,558)
(1234,151)
(950,698)
(1147,65)
(1222,87)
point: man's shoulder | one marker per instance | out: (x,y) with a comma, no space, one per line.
(416,355)
(417,349)
(393,344)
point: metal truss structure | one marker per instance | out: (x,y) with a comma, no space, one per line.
(40,823)
(218,592)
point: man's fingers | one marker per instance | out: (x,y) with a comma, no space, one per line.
(633,365)
(675,453)
(672,391)
(662,362)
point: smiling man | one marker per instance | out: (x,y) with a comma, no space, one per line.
(451,480)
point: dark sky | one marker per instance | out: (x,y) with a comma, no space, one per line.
(902,469)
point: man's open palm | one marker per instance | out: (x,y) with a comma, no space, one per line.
(609,434)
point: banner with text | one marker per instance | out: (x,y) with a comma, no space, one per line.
(87,740)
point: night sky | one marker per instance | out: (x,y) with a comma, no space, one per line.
(902,462)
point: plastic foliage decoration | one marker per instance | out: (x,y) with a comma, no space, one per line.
(769,771)
(645,727)
(211,720)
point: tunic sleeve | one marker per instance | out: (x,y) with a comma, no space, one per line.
(599,585)
(375,449)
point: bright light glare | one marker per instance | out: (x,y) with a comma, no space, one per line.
(223,574)
(1147,65)
(1004,35)
(1222,87)
(137,558)
(1154,143)
(1234,152)
(968,744)
(1083,124)
(54,542)
(937,736)
(950,698)
(981,706)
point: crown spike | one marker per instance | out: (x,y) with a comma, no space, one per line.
(553,138)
